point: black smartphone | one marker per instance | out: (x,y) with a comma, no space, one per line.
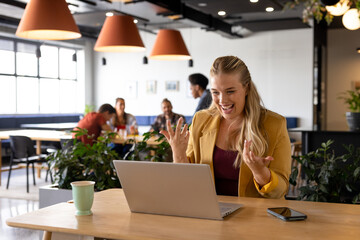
(286,214)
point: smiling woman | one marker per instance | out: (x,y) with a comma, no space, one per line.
(246,145)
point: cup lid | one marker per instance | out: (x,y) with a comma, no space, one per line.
(82,183)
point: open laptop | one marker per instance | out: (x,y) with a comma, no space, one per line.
(185,190)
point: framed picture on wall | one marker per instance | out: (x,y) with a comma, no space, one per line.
(131,89)
(172,86)
(151,87)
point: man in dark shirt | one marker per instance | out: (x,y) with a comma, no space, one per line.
(198,83)
(160,121)
(95,122)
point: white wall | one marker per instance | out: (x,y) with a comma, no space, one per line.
(343,67)
(280,63)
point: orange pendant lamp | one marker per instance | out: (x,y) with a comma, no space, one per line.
(47,20)
(119,34)
(169,45)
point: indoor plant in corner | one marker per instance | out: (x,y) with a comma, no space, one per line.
(329,178)
(79,161)
(352,99)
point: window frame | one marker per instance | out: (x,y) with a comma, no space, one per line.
(37,76)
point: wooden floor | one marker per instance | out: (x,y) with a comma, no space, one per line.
(13,207)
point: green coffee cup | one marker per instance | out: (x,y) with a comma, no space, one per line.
(83,195)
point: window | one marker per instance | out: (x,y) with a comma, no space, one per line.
(7,57)
(49,62)
(37,78)
(27,93)
(49,95)
(67,66)
(68,96)
(26,61)
(7,94)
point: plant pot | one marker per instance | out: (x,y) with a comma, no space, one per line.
(353,120)
(51,194)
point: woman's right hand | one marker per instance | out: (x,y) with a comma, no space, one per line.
(178,140)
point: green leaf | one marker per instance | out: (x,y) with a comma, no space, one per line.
(348,187)
(323,188)
(293,176)
(356,199)
(357,172)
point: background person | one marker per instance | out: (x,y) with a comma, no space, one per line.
(95,122)
(160,121)
(124,120)
(198,84)
(246,145)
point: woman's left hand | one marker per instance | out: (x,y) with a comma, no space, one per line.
(258,165)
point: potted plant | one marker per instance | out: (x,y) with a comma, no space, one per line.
(79,161)
(329,178)
(352,99)
(155,153)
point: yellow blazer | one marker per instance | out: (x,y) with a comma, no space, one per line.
(203,134)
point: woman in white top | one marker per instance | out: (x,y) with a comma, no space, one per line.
(123,120)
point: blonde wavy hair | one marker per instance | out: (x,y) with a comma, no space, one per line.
(251,127)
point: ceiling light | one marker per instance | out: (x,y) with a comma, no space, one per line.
(109,14)
(254,1)
(202,4)
(47,20)
(351,19)
(269,9)
(338,9)
(221,13)
(175,16)
(136,21)
(169,45)
(119,34)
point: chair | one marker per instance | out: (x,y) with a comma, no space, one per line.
(23,151)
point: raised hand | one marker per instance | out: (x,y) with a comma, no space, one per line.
(178,140)
(258,165)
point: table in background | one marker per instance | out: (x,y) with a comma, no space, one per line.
(56,136)
(112,219)
(51,126)
(36,135)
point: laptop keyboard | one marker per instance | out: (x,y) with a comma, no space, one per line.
(227,208)
(225,211)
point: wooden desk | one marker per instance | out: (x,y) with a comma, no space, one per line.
(50,126)
(112,219)
(52,135)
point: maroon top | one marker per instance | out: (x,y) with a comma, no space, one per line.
(92,122)
(226,175)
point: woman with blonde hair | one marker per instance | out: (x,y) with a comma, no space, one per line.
(247,146)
